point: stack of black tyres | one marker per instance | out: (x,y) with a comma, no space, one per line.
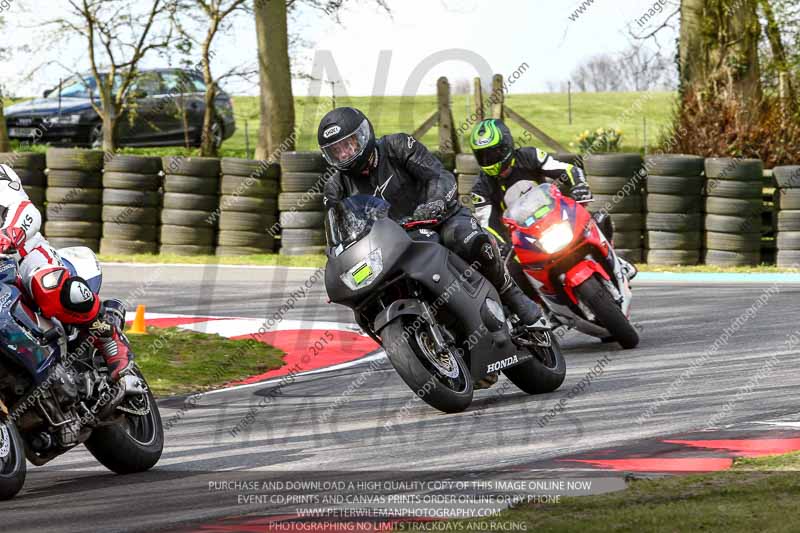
(616,181)
(769,219)
(734,189)
(674,205)
(248,207)
(566,157)
(74,197)
(788,205)
(29,167)
(131,202)
(303,177)
(191,205)
(467,171)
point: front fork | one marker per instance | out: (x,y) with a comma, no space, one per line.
(442,345)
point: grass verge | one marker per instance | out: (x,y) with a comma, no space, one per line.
(758,494)
(761,269)
(177,361)
(401,114)
(315,261)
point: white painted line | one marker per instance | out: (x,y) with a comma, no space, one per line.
(792,425)
(364,360)
(235,327)
(206,265)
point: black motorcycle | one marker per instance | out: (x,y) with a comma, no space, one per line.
(55,389)
(439,320)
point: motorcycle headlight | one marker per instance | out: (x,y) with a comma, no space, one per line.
(365,272)
(65,119)
(556,237)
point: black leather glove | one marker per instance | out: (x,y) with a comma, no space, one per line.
(431,211)
(581,193)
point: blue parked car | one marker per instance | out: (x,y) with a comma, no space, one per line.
(161,96)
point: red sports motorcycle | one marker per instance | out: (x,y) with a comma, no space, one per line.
(569,262)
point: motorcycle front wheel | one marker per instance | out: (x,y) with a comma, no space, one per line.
(607,312)
(135,444)
(13,467)
(443,381)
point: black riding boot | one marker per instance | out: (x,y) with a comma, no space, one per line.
(519,303)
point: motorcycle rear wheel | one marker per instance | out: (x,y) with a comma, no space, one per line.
(408,346)
(544,373)
(592,293)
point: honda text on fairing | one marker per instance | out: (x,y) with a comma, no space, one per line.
(167,109)
(570,262)
(56,391)
(440,321)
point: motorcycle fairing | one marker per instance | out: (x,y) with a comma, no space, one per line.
(438,271)
(17,343)
(580,273)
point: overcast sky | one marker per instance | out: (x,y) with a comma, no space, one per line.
(499,34)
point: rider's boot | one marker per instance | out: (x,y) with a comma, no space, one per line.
(606,226)
(107,338)
(487,382)
(628,269)
(518,302)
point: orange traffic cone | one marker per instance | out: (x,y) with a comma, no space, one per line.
(138,326)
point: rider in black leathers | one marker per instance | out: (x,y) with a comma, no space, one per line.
(402,171)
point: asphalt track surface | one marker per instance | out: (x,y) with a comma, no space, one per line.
(501,435)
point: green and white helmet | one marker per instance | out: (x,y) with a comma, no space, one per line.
(493,146)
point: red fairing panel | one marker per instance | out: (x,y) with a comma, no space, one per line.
(580,273)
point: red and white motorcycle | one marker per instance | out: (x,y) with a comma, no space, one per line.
(570,262)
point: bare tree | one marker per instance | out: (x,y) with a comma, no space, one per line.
(461,86)
(117,34)
(780,57)
(724,58)
(644,70)
(5,145)
(216,15)
(601,73)
(635,69)
(277,129)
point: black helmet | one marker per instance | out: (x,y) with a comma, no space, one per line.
(493,146)
(346,139)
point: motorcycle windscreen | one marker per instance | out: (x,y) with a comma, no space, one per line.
(528,202)
(351,219)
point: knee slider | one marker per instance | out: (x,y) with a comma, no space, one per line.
(67,298)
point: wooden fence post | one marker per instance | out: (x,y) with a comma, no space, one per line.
(477,91)
(448,143)
(498,97)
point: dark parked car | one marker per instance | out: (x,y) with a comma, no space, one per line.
(158,98)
